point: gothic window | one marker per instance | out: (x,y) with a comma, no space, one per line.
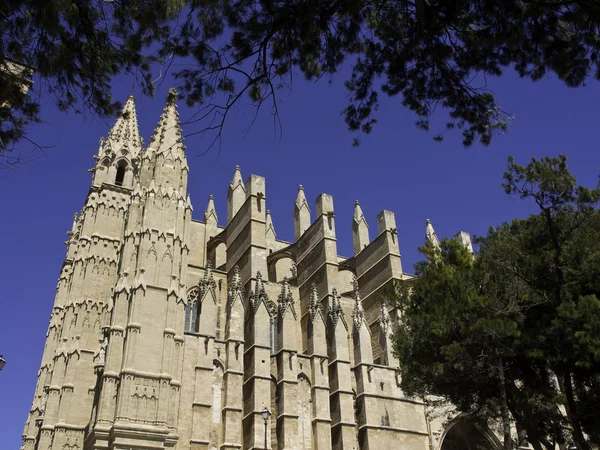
(191,310)
(121,167)
(273,334)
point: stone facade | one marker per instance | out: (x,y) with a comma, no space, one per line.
(171,332)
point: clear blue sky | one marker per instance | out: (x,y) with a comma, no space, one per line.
(398,168)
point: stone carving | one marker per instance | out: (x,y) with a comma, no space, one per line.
(100,355)
(285,300)
(336,313)
(385,321)
(314,306)
(259,295)
(208,284)
(236,290)
(358,314)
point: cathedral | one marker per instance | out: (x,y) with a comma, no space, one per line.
(170,332)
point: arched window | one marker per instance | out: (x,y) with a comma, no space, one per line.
(121,167)
(191,310)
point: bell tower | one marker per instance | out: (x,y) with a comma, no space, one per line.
(76,338)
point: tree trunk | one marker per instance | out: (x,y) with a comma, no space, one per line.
(571,409)
(504,407)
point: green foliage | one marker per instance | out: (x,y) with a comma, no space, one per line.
(72,49)
(530,299)
(430,53)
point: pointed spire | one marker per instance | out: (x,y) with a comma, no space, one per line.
(360,229)
(358,314)
(285,300)
(237,178)
(211,212)
(269,226)
(430,236)
(236,196)
(125,134)
(301,214)
(167,137)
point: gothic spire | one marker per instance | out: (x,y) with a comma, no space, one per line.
(237,178)
(167,137)
(210,212)
(124,137)
(126,131)
(301,214)
(360,229)
(430,236)
(236,195)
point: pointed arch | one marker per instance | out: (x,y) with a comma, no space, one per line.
(122,166)
(191,310)
(465,433)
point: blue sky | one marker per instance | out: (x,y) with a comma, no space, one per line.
(398,167)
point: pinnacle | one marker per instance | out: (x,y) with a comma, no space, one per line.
(270,222)
(358,213)
(210,209)
(301,198)
(125,132)
(430,235)
(168,136)
(237,178)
